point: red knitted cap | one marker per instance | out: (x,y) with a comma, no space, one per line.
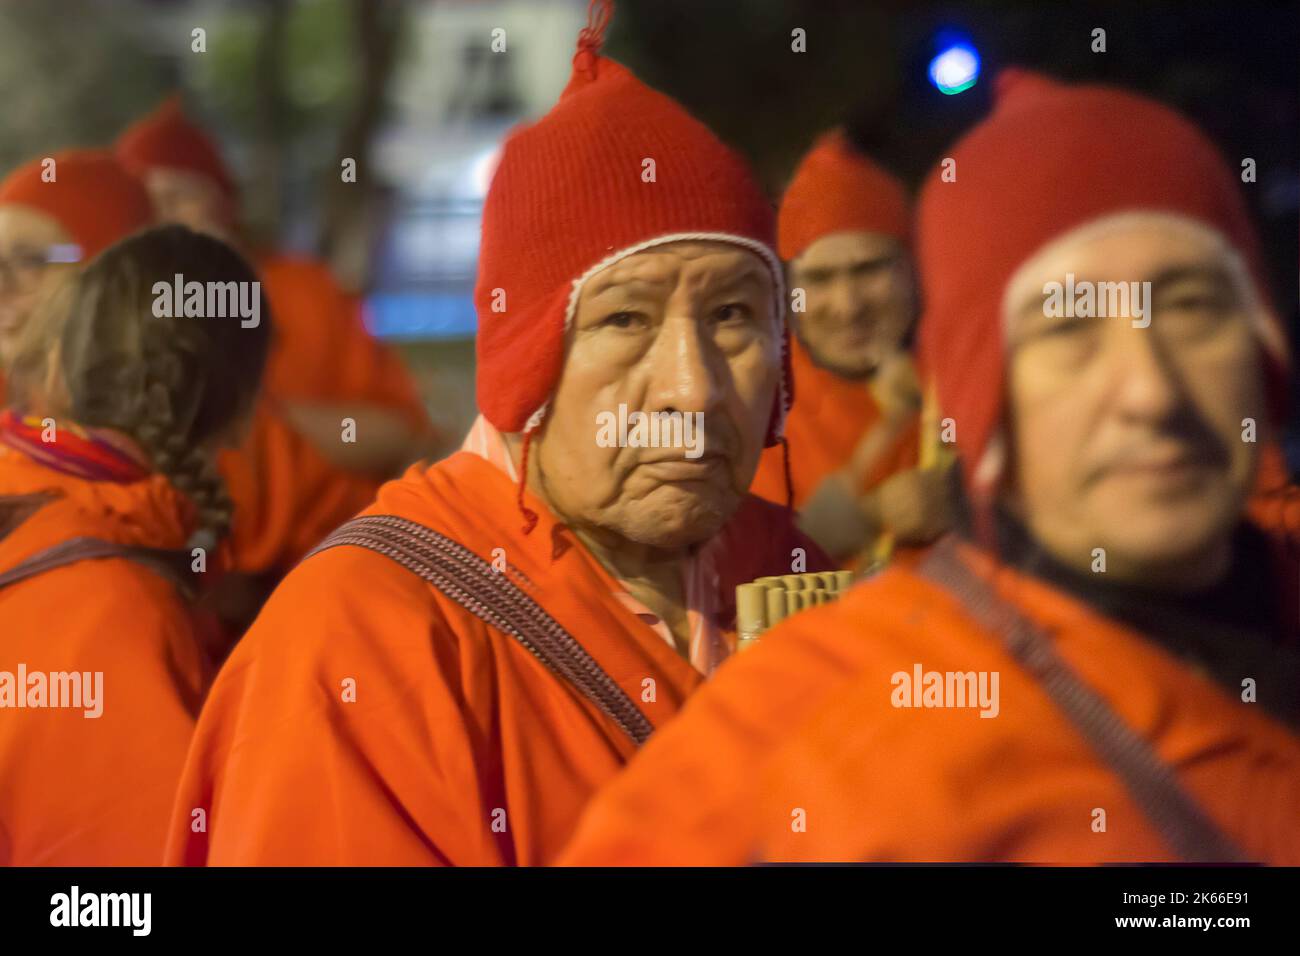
(166,139)
(93,198)
(838,189)
(568,199)
(1050,158)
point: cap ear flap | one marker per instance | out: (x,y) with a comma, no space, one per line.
(520,357)
(784,398)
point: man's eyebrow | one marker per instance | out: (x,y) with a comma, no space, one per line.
(1031,304)
(753,275)
(1189,273)
(872,262)
(603,284)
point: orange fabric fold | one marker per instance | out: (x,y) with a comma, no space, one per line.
(287,496)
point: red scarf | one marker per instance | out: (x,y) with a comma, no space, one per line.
(93,454)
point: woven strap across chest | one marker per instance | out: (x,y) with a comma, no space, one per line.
(170,564)
(1149,780)
(470,581)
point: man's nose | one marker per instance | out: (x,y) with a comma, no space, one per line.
(1145,377)
(844,299)
(683,367)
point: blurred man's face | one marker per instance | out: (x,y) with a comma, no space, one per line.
(859,301)
(1130,438)
(26,273)
(191,200)
(687,328)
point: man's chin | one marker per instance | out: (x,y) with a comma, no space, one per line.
(672,517)
(1176,540)
(851,366)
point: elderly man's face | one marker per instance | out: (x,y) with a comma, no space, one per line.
(27,237)
(191,200)
(1130,438)
(689,328)
(859,301)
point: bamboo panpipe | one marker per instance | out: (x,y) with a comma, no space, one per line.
(765,602)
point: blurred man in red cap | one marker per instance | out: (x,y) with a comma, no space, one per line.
(326,366)
(459,668)
(294,479)
(844,230)
(1104,667)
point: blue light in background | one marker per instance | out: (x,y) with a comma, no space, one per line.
(955,68)
(420,315)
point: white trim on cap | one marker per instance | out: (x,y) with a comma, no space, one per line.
(753,245)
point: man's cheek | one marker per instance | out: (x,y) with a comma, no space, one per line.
(1045,452)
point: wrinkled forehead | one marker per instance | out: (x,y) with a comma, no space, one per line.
(1135,246)
(26,227)
(695,264)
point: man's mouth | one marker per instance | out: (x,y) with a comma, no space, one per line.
(679,469)
(1167,467)
(858,333)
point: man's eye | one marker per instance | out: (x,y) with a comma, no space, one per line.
(1066,328)
(1197,302)
(622,320)
(875,267)
(732,312)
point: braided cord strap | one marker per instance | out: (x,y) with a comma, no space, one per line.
(1149,780)
(169,564)
(471,582)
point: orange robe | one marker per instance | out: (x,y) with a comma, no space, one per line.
(829,417)
(287,495)
(322,350)
(795,751)
(97,791)
(1275,505)
(460,746)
